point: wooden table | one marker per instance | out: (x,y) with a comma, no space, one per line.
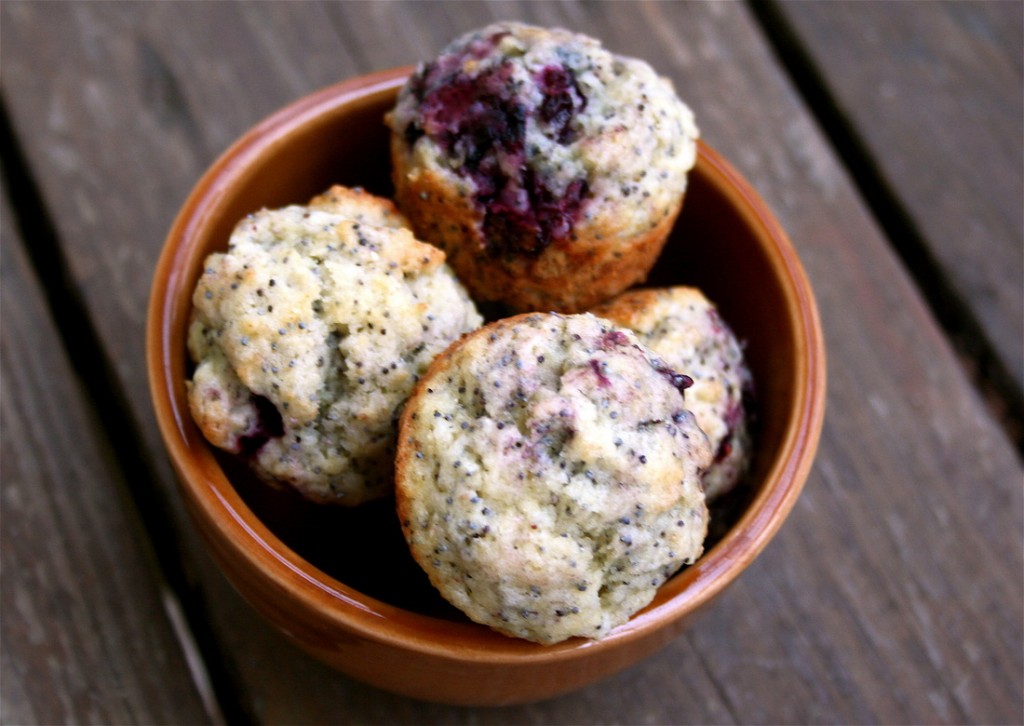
(886,136)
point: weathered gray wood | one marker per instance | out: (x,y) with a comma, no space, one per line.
(895,591)
(935,91)
(85,636)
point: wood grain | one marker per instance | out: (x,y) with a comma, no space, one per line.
(85,636)
(934,93)
(895,591)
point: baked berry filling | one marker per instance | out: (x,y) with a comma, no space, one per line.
(563,100)
(268,425)
(732,419)
(742,409)
(480,121)
(680,381)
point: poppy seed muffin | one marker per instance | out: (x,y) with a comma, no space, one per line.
(683,327)
(549,170)
(308,335)
(359,205)
(548,476)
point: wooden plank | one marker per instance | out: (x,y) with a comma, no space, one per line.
(891,595)
(894,421)
(933,91)
(85,636)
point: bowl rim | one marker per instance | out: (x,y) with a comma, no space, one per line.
(212,498)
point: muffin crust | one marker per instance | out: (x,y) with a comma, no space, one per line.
(308,335)
(548,476)
(683,327)
(549,170)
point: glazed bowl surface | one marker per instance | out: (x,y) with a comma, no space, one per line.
(339,582)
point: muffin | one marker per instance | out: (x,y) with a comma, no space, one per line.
(682,326)
(359,205)
(549,170)
(308,335)
(548,476)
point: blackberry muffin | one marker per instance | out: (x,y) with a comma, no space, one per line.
(548,476)
(549,170)
(683,327)
(308,335)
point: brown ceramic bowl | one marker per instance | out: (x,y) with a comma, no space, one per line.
(340,583)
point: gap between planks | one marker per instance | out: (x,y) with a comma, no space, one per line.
(981,362)
(96,374)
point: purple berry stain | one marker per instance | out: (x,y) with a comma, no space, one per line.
(602,380)
(733,416)
(612,339)
(724,449)
(480,118)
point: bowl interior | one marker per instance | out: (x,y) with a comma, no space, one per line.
(725,242)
